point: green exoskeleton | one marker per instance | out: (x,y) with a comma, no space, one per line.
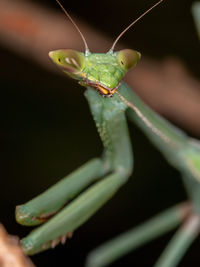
(110,100)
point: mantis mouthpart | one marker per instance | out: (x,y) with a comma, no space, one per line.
(72,201)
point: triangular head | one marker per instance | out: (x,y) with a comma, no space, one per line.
(100,71)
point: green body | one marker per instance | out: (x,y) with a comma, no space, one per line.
(102,74)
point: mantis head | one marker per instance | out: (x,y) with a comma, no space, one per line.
(100,71)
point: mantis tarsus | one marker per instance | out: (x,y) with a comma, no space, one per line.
(91,185)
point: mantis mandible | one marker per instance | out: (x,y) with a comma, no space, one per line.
(90,186)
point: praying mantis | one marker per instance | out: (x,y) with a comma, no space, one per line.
(89,187)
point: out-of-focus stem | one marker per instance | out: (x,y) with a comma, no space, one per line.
(11,254)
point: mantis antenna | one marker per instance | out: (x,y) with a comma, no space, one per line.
(83,38)
(122,33)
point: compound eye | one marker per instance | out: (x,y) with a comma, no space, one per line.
(128,58)
(69,60)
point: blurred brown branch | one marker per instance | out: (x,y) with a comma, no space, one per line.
(11,254)
(168,87)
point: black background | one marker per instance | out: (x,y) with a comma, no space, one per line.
(47,131)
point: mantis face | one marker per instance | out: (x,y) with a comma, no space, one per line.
(100,71)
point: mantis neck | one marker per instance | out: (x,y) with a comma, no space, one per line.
(110,119)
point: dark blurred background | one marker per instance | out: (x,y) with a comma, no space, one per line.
(47,129)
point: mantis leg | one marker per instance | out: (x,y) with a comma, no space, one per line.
(140,235)
(42,207)
(73,215)
(111,123)
(180,150)
(179,244)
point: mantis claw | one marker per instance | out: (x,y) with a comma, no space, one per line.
(28,245)
(61,240)
(55,243)
(23,216)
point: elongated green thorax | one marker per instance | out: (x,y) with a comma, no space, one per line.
(100,71)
